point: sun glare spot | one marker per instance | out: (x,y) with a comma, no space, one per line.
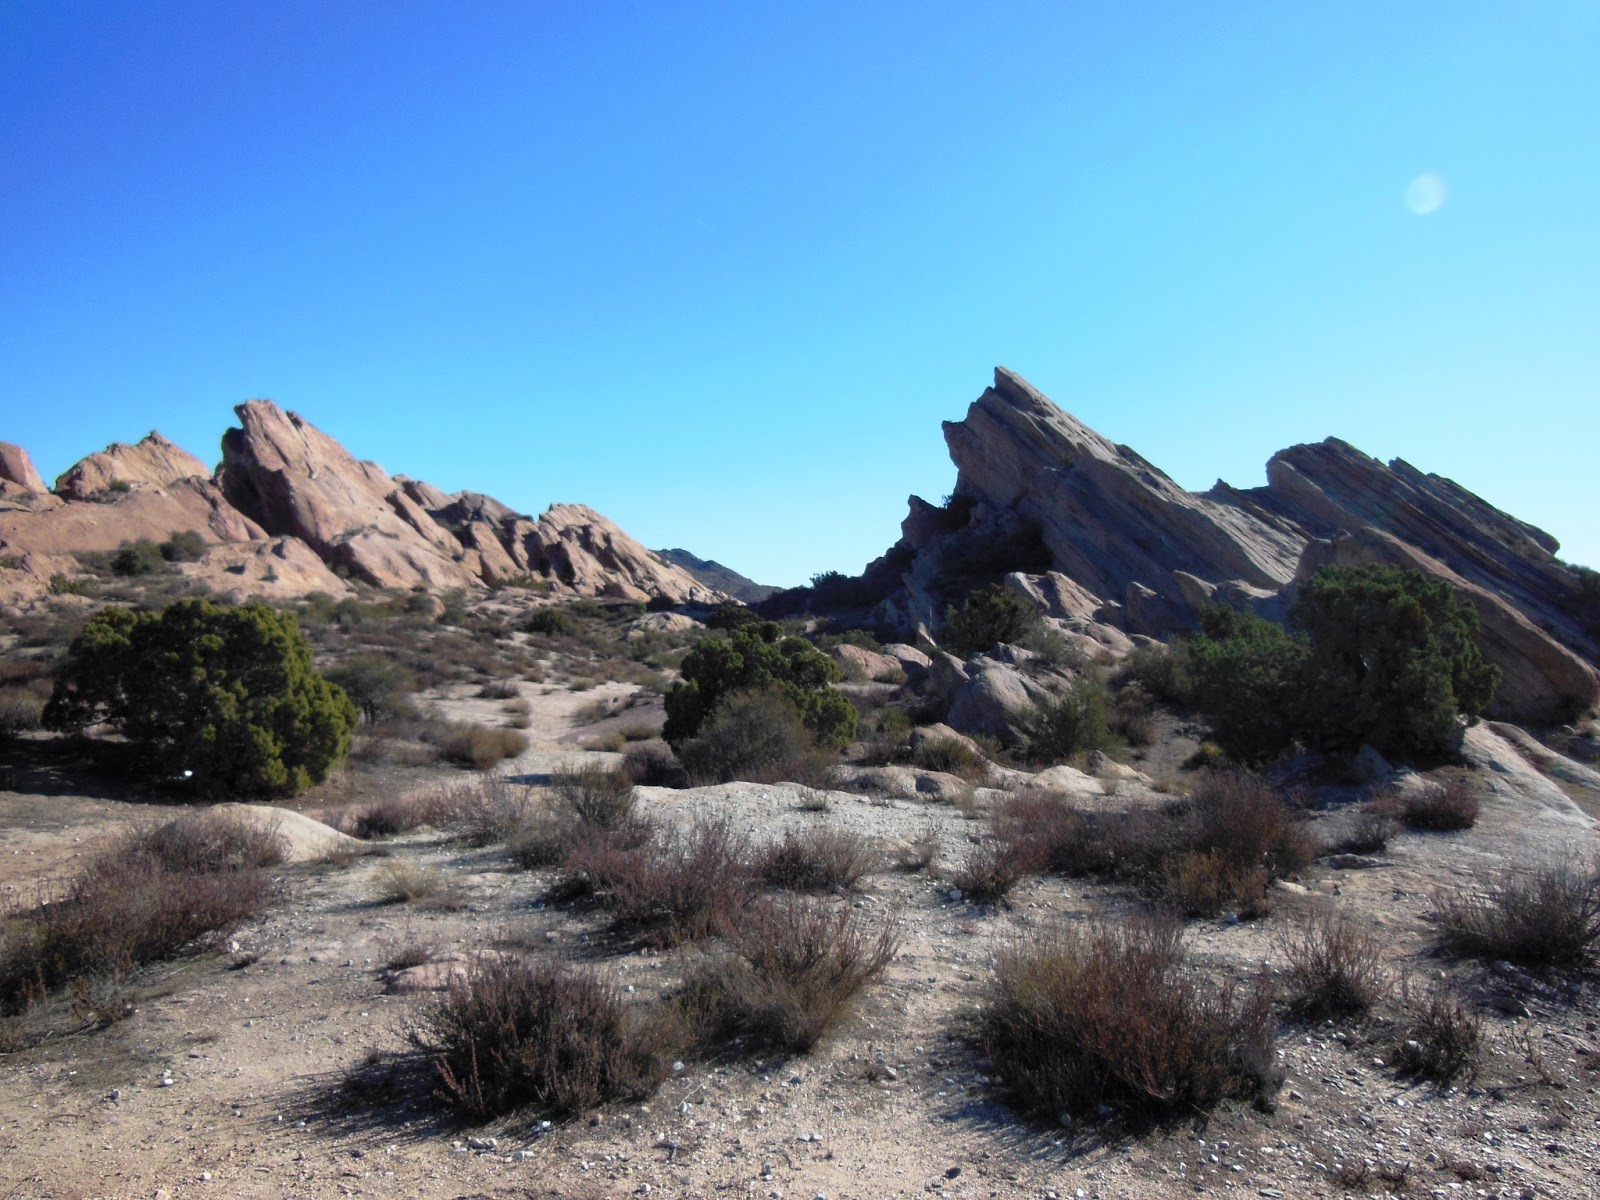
(1425,195)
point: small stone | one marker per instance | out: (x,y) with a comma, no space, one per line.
(952,1172)
(954,893)
(478,1143)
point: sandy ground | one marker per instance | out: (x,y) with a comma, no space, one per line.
(226,1082)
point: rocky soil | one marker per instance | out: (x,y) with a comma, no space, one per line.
(270,1069)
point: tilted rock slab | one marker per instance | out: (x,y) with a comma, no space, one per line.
(153,462)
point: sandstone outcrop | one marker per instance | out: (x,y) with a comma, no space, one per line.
(154,462)
(1111,550)
(17,469)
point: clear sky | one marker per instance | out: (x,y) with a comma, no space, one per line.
(719,270)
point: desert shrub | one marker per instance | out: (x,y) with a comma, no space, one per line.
(653,766)
(1111,1014)
(792,972)
(1071,722)
(949,756)
(690,882)
(1548,915)
(378,686)
(757,736)
(184,546)
(20,710)
(386,817)
(1392,660)
(141,557)
(152,895)
(994,868)
(600,796)
(758,657)
(500,689)
(1440,1039)
(1335,968)
(556,1039)
(552,622)
(1133,715)
(730,614)
(1440,807)
(1240,835)
(480,746)
(988,617)
(226,698)
(1161,671)
(1366,831)
(818,860)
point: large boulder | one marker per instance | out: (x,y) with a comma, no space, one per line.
(17,469)
(155,513)
(993,702)
(860,663)
(155,462)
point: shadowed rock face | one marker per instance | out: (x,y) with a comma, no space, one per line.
(1139,554)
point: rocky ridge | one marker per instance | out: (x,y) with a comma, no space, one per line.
(290,511)
(1112,549)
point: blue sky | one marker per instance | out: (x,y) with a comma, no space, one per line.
(719,270)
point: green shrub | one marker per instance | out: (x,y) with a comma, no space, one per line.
(757,736)
(184,546)
(1392,660)
(225,698)
(950,757)
(378,686)
(759,657)
(989,616)
(142,557)
(1246,676)
(1071,722)
(1163,671)
(730,614)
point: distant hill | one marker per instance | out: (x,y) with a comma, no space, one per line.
(718,577)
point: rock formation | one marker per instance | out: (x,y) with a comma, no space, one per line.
(718,577)
(289,507)
(1111,549)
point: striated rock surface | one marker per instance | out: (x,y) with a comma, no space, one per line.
(17,469)
(153,462)
(279,568)
(295,480)
(1111,550)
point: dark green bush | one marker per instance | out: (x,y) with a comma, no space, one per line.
(225,698)
(1392,660)
(730,614)
(552,622)
(757,736)
(758,657)
(990,616)
(184,546)
(1246,676)
(142,557)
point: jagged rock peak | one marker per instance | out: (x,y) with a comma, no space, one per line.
(153,462)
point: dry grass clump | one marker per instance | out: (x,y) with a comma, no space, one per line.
(1366,831)
(600,796)
(479,746)
(1216,850)
(152,895)
(1111,1014)
(518,1034)
(500,689)
(818,860)
(1546,916)
(1441,1039)
(20,710)
(1335,968)
(792,972)
(688,882)
(1439,807)
(399,882)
